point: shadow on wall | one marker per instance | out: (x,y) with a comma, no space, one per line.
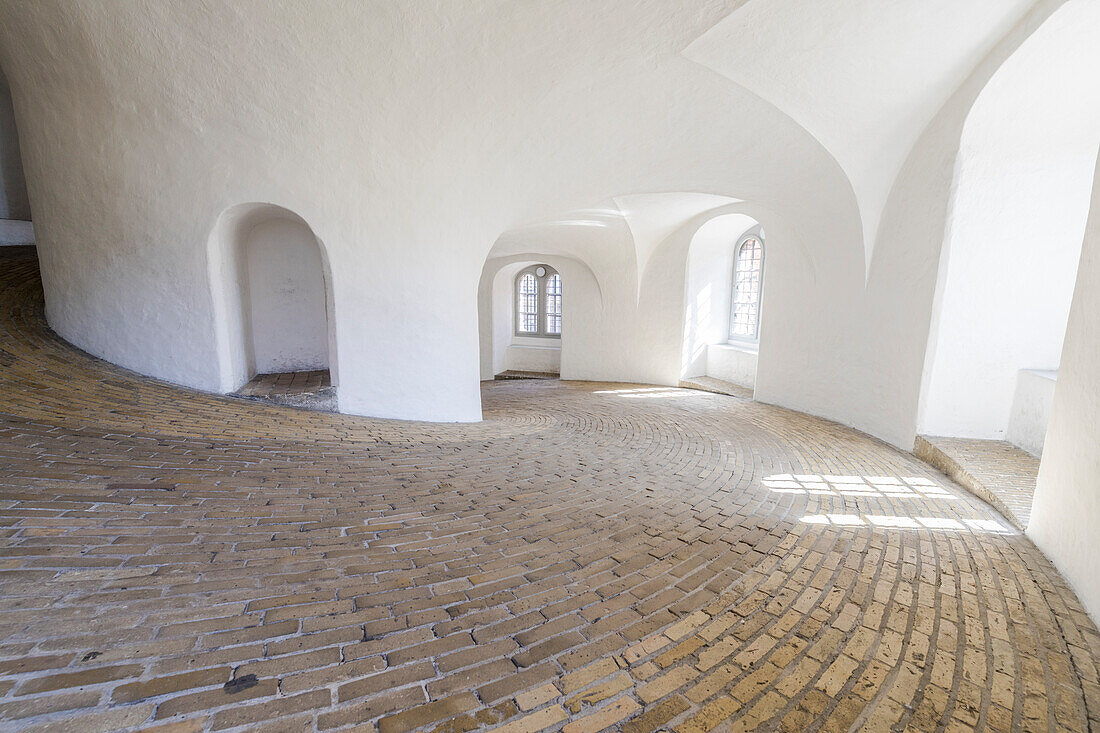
(15,208)
(273,300)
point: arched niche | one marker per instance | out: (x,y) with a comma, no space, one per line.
(674,300)
(273,295)
(1019,203)
(708,349)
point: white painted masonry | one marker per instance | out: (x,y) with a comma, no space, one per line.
(1066,511)
(503,120)
(286,298)
(1027,425)
(734,363)
(865,78)
(1020,199)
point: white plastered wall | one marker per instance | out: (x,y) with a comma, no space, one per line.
(285,297)
(1065,513)
(134,160)
(613,329)
(896,313)
(1031,405)
(501,348)
(1019,203)
(492,122)
(865,77)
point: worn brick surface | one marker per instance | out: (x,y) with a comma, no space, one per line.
(995,470)
(591,555)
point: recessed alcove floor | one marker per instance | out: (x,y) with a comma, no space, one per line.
(718,386)
(995,470)
(519,374)
(590,556)
(310,390)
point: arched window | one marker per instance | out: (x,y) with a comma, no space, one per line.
(748,274)
(538,302)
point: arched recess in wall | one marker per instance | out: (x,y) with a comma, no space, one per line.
(273,295)
(503,349)
(15,207)
(699,253)
(1019,204)
(710,346)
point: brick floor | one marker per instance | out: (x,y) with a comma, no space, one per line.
(996,471)
(517,374)
(718,386)
(265,385)
(306,390)
(591,556)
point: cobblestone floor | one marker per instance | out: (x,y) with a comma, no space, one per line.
(591,556)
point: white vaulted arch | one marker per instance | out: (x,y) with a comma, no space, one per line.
(1019,203)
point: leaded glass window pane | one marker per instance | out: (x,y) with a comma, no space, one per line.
(745,314)
(528,321)
(553,304)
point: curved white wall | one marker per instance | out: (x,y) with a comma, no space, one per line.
(158,117)
(865,78)
(271,293)
(1018,210)
(1065,514)
(617,326)
(408,172)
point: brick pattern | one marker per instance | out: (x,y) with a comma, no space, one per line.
(590,557)
(994,470)
(718,386)
(286,383)
(516,374)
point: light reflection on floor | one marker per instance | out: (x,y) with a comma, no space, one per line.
(881,487)
(648,392)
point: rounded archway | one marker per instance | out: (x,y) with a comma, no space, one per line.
(273,296)
(722,299)
(507,346)
(650,281)
(1020,200)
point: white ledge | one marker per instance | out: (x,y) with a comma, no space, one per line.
(746,347)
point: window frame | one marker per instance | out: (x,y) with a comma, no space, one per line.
(754,339)
(541,311)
